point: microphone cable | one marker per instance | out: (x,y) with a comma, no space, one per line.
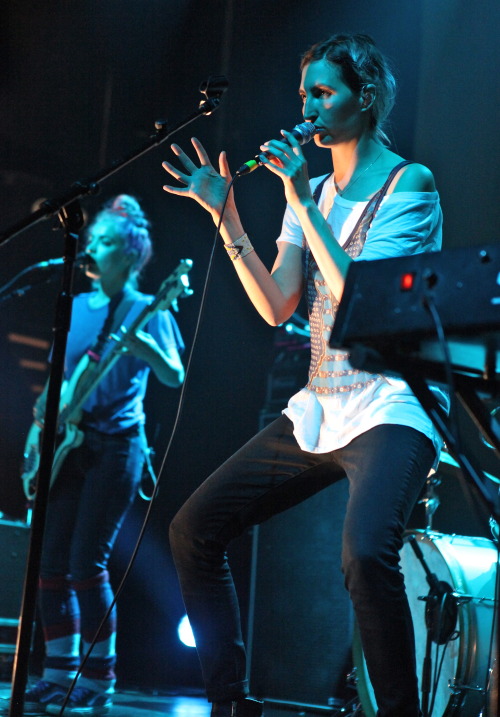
(431,307)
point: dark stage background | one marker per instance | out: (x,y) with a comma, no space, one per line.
(81,85)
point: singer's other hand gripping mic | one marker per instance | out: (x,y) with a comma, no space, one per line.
(303,133)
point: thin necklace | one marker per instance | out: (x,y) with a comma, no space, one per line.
(353,181)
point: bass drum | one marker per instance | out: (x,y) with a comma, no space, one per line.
(468,565)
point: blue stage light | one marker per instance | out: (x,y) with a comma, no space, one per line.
(185,633)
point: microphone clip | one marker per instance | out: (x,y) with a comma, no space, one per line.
(213,88)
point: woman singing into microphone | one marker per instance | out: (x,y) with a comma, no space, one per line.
(344,423)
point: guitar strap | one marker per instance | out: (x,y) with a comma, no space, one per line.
(148,470)
(118,308)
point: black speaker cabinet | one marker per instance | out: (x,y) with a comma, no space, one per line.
(14,542)
(301,620)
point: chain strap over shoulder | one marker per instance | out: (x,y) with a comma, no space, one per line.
(330,371)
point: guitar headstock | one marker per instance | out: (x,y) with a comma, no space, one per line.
(175,286)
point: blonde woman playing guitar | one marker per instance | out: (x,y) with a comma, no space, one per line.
(99,477)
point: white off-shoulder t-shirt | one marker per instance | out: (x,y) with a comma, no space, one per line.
(406,223)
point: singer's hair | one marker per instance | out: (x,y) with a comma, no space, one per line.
(133,226)
(361,63)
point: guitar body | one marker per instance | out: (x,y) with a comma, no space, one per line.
(84,380)
(71,414)
(68,436)
(73,437)
(84,370)
(31,460)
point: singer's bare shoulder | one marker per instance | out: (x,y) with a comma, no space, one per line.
(415,178)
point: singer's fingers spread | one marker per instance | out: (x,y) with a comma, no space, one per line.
(188,163)
(224,166)
(184,178)
(201,152)
(181,192)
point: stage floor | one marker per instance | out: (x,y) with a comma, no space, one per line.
(192,703)
(130,703)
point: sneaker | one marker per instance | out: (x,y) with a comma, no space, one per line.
(38,696)
(81,702)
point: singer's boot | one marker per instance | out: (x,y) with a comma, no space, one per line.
(242,707)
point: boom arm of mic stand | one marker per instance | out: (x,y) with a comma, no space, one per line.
(213,89)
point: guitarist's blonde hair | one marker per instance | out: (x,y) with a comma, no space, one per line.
(134,227)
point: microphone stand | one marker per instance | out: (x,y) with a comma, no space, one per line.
(17,293)
(71,219)
(70,216)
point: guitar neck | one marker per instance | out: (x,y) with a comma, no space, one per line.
(168,292)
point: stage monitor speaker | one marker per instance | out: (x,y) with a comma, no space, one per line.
(301,620)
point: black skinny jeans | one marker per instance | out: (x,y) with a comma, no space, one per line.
(88,504)
(386,467)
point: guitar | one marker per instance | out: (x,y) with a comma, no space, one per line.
(85,378)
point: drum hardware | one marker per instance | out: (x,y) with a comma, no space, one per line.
(495,415)
(490,709)
(494,528)
(441,613)
(462,599)
(430,501)
(352,708)
(457,687)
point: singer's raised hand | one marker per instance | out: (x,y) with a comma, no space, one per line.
(202,183)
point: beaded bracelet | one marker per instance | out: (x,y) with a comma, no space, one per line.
(240,248)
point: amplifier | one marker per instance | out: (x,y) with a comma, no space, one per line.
(14,544)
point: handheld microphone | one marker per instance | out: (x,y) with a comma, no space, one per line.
(303,132)
(81,260)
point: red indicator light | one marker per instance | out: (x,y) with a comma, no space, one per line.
(406,281)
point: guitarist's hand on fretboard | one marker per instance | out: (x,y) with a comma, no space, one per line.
(141,345)
(166,364)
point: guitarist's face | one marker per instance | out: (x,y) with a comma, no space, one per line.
(107,248)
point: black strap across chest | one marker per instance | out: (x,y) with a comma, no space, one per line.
(118,308)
